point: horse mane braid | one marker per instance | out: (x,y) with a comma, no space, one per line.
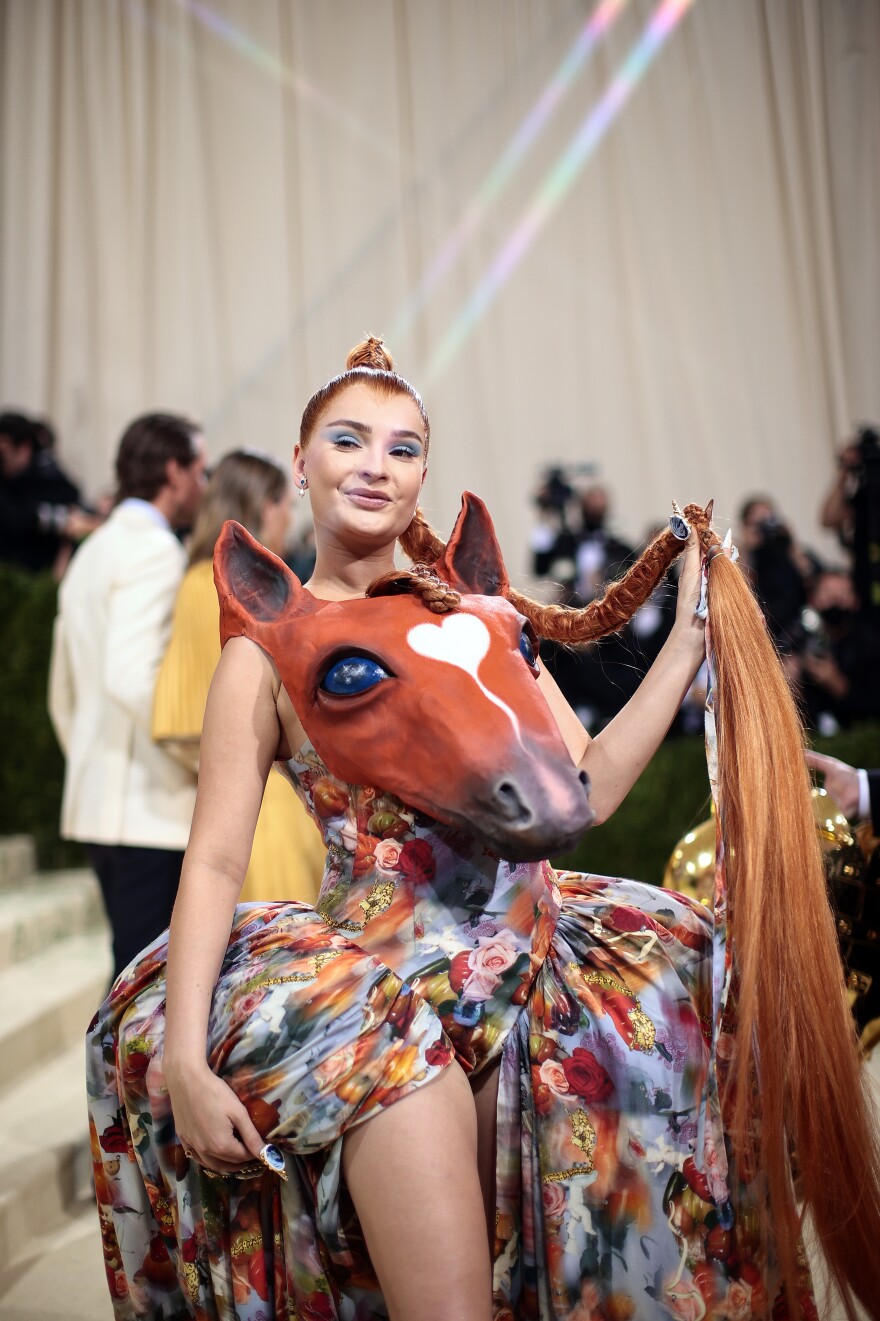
(559,623)
(793,1089)
(437,595)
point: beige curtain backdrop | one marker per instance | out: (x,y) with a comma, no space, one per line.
(205,202)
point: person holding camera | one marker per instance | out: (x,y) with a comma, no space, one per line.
(840,656)
(852,510)
(780,570)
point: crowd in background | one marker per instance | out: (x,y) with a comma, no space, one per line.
(44,514)
(824,615)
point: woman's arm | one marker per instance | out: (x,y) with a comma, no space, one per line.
(239,741)
(616,757)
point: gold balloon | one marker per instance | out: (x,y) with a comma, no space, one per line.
(691,867)
(844,860)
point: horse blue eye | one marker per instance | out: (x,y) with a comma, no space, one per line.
(528,651)
(353,675)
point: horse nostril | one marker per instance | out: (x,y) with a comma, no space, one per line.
(511,806)
(584,779)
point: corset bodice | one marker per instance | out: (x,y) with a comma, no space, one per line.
(468,929)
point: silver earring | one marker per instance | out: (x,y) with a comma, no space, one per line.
(303,487)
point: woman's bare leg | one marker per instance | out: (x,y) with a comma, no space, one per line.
(412,1175)
(485,1090)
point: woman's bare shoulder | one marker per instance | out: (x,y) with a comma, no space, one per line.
(250,669)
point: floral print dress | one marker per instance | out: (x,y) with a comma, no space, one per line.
(602,1001)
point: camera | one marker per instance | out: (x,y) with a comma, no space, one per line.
(774,533)
(555,487)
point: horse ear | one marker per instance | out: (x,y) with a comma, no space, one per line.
(472,561)
(255,587)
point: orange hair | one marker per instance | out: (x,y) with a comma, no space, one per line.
(368,363)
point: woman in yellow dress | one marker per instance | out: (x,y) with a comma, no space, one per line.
(287,858)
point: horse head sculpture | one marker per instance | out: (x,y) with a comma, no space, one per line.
(443,711)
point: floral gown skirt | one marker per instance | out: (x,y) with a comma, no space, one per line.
(615,1187)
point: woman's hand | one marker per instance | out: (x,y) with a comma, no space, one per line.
(213,1126)
(841,782)
(687,623)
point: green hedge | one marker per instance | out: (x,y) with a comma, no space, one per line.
(670,798)
(31,767)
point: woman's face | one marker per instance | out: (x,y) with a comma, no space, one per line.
(275,522)
(365,464)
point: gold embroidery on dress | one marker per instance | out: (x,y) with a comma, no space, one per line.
(351,927)
(323,956)
(607,982)
(563,1176)
(378,899)
(644,1032)
(191,1275)
(583,1135)
(162,1212)
(247,1243)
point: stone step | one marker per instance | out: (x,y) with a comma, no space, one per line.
(45,1166)
(63,1279)
(48,909)
(18,859)
(48,1001)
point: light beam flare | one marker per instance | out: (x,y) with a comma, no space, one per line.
(559,181)
(596,26)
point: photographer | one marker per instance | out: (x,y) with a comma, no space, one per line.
(841,656)
(552,542)
(780,570)
(852,510)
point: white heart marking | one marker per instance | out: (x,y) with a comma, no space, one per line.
(463,641)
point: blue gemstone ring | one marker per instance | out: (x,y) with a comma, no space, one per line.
(679,527)
(273,1159)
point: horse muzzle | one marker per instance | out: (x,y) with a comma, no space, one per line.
(529,818)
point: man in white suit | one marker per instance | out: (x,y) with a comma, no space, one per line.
(128,800)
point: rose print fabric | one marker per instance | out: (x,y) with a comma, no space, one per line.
(603,1003)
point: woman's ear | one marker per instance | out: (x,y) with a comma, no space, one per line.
(299,458)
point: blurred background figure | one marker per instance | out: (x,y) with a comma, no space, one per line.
(126,799)
(553,539)
(287,857)
(577,554)
(852,510)
(38,501)
(781,571)
(839,661)
(600,556)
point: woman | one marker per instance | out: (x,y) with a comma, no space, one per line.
(251,487)
(452,1045)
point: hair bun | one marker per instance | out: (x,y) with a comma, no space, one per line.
(372,354)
